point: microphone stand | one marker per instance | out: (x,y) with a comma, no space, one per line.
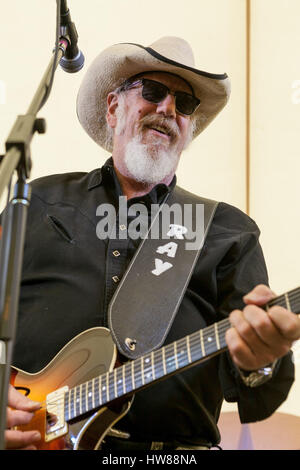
(17,158)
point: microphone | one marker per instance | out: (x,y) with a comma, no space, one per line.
(73,59)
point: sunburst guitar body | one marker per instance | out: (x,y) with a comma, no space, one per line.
(89,355)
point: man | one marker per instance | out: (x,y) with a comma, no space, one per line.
(145,105)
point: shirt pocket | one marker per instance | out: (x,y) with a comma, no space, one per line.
(60,228)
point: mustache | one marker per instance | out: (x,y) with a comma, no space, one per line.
(168,124)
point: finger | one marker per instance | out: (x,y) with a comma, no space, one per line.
(19,401)
(260,295)
(286,322)
(17,417)
(261,354)
(267,332)
(240,352)
(18,439)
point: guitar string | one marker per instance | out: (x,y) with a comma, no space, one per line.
(158,367)
(147,372)
(140,376)
(221,327)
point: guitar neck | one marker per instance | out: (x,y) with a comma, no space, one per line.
(157,365)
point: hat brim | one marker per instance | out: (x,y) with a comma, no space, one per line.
(121,61)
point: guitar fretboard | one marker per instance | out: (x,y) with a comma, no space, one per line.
(166,361)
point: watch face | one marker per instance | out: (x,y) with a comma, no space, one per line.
(259,376)
(258,379)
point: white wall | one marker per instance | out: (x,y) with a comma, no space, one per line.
(275,146)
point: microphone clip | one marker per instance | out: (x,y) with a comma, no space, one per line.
(73,59)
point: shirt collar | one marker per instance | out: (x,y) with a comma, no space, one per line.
(106,172)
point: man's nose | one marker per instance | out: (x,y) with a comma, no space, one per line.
(167,106)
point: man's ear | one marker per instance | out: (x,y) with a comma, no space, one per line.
(112,104)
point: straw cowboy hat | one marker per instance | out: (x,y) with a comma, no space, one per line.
(121,61)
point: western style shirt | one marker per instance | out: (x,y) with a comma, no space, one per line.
(70,274)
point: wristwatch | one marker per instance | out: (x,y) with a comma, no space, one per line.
(257,377)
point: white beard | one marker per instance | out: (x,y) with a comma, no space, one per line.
(149,165)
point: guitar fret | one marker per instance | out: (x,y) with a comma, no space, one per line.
(210,340)
(175,355)
(157,364)
(128,383)
(97,394)
(217,336)
(138,374)
(86,396)
(76,401)
(224,325)
(164,360)
(202,344)
(90,395)
(143,376)
(66,405)
(188,348)
(294,298)
(148,369)
(111,385)
(107,387)
(103,391)
(182,353)
(132,375)
(72,406)
(119,381)
(123,378)
(170,358)
(83,398)
(100,390)
(288,306)
(93,393)
(115,382)
(152,364)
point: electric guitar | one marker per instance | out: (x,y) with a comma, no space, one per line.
(84,391)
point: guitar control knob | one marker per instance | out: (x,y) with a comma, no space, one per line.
(130,343)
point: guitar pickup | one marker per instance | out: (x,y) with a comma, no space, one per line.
(56,425)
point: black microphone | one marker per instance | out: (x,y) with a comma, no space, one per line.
(73,58)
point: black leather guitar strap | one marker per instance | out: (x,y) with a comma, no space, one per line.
(146,301)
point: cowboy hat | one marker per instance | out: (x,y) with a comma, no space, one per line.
(121,61)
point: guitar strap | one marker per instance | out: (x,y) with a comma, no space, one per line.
(146,301)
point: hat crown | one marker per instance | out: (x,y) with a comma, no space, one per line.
(176,49)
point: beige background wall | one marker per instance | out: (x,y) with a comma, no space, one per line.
(215,164)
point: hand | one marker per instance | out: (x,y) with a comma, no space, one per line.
(22,412)
(256,337)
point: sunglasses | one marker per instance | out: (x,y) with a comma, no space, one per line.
(155,92)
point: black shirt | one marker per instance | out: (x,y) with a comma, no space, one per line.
(70,275)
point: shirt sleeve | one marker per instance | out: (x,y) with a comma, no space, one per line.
(241,270)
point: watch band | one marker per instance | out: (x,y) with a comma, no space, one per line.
(257,377)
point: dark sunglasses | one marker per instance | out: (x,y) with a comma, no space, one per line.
(155,92)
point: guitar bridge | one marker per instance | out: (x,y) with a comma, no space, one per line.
(56,425)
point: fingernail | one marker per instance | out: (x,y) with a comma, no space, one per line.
(35,404)
(253,297)
(37,436)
